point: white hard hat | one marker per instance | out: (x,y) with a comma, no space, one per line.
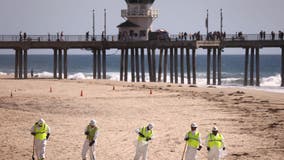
(193,125)
(214,128)
(93,122)
(150,125)
(40,121)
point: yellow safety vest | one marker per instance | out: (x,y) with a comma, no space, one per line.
(146,133)
(193,139)
(215,141)
(92,131)
(40,132)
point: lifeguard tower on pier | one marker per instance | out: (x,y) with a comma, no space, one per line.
(138,16)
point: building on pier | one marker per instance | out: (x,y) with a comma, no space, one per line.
(138,16)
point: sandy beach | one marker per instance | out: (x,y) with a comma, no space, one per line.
(251,121)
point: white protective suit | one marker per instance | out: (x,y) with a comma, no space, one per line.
(86,147)
(40,145)
(191,153)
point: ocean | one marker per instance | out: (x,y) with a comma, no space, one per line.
(80,67)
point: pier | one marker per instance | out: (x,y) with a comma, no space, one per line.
(132,52)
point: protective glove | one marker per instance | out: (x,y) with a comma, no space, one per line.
(33,133)
(199,148)
(186,139)
(91,143)
(208,148)
(86,133)
(47,136)
(140,134)
(224,148)
(148,139)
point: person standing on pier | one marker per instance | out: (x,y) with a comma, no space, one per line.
(193,143)
(20,34)
(215,144)
(61,36)
(144,136)
(91,132)
(87,36)
(41,133)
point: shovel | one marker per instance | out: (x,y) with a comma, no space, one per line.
(183,151)
(33,156)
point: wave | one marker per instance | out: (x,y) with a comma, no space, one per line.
(227,80)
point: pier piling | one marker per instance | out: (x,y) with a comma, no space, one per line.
(194,66)
(142,65)
(165,64)
(126,65)
(208,65)
(20,64)
(219,66)
(176,64)
(282,67)
(25,63)
(171,65)
(16,63)
(65,64)
(246,67)
(160,65)
(137,64)
(54,63)
(150,64)
(182,65)
(252,67)
(60,63)
(188,65)
(104,63)
(132,65)
(154,64)
(99,64)
(94,63)
(121,64)
(257,82)
(214,65)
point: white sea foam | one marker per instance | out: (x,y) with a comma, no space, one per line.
(271,81)
(3,74)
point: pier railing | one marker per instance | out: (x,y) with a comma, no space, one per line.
(174,37)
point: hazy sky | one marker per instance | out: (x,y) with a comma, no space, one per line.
(75,16)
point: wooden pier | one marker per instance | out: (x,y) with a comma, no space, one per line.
(169,52)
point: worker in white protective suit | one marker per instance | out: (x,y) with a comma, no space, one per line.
(193,141)
(215,144)
(145,134)
(91,132)
(41,133)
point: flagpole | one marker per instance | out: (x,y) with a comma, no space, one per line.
(221,21)
(93,24)
(105,24)
(207,22)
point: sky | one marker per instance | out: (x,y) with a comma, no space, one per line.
(74,17)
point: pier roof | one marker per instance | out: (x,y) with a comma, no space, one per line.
(127,23)
(140,1)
